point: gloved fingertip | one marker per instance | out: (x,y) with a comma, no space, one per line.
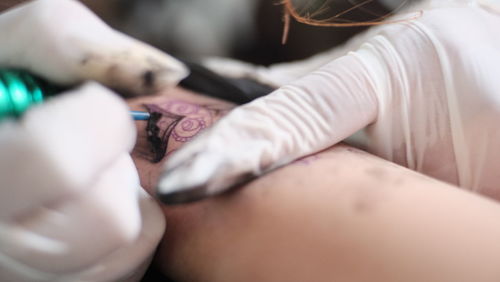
(130,80)
(155,70)
(190,183)
(175,188)
(168,75)
(184,196)
(173,193)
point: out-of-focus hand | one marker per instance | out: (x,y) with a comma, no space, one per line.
(71,206)
(426,92)
(63,41)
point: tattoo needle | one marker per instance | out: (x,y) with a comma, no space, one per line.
(20,90)
(137,115)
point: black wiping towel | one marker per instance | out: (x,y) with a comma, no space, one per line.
(237,90)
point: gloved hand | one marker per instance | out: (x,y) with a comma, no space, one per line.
(71,205)
(425,91)
(66,43)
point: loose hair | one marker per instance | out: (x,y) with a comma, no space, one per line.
(320,17)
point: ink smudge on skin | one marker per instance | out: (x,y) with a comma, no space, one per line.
(157,136)
(178,122)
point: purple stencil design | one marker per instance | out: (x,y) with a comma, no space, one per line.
(181,108)
(189,127)
(177,121)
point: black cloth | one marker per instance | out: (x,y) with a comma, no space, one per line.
(237,90)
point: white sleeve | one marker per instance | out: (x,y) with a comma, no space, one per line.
(439,111)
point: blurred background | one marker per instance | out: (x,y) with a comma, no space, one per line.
(249,30)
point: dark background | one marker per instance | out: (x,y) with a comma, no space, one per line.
(258,41)
(261,46)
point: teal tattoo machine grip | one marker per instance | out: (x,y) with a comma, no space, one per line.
(20,90)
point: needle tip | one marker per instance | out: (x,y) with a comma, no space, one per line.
(136,115)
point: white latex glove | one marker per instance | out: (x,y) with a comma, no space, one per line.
(66,43)
(426,91)
(71,206)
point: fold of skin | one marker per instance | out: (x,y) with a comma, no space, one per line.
(340,215)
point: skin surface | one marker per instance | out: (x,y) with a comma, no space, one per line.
(341,215)
(186,111)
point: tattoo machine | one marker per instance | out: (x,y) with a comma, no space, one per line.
(20,90)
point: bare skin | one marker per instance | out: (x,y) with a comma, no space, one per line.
(341,215)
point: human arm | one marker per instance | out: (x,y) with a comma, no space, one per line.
(341,215)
